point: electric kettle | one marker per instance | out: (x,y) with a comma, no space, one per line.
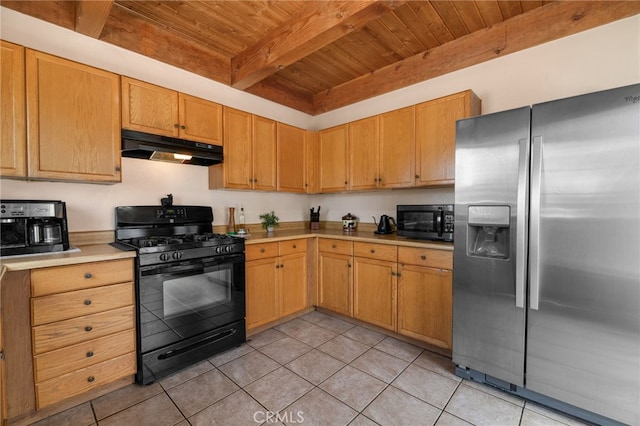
(384,226)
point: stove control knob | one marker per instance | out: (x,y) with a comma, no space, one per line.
(177,255)
(219,249)
(164,257)
(228,249)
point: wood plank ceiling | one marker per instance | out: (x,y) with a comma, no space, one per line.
(316,56)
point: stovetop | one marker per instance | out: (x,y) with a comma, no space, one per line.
(150,244)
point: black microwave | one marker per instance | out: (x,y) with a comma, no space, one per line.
(425,221)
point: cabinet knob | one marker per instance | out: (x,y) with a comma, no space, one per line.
(423,257)
(294,246)
(88,328)
(90,379)
(89,354)
(333,246)
(417,177)
(175,125)
(87,302)
(118,168)
(88,275)
(281,265)
(183,127)
(349,265)
(262,250)
(346,183)
(277,266)
(373,250)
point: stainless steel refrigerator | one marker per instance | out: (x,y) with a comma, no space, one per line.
(547,253)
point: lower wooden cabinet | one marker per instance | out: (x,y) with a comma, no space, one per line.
(335,275)
(276,281)
(425,295)
(83,330)
(407,290)
(375,284)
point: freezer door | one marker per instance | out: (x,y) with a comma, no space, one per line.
(583,343)
(490,223)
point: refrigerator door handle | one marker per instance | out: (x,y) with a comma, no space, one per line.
(521,221)
(534,228)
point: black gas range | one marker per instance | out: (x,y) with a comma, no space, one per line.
(190,286)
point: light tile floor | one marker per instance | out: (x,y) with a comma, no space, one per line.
(313,370)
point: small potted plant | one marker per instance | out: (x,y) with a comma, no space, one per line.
(269,220)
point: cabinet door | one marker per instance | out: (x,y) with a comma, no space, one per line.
(333,153)
(13,134)
(200,120)
(397,148)
(374,292)
(425,304)
(436,136)
(292,277)
(363,154)
(264,154)
(262,297)
(292,161)
(74,120)
(335,283)
(237,148)
(149,108)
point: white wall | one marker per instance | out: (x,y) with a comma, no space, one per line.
(598,59)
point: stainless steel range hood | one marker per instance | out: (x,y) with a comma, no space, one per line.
(163,148)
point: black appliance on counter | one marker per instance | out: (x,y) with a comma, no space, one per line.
(425,221)
(190,286)
(33,226)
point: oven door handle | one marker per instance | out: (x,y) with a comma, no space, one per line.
(172,269)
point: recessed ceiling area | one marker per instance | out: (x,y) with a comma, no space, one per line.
(317,56)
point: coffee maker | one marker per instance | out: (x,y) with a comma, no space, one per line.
(33,226)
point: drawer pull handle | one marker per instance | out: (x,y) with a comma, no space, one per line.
(423,257)
(89,354)
(91,379)
(88,275)
(88,328)
(87,302)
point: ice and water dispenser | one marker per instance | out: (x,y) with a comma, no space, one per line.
(488,231)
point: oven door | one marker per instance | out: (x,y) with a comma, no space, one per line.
(181,300)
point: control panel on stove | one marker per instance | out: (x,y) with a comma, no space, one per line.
(171,213)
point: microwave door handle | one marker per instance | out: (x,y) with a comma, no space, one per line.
(439,225)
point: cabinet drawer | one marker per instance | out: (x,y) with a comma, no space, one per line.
(62,361)
(375,251)
(261,251)
(83,380)
(76,277)
(72,304)
(61,334)
(293,246)
(335,246)
(441,259)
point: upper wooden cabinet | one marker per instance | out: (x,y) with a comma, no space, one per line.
(249,153)
(73,120)
(154,109)
(333,147)
(13,134)
(397,148)
(292,159)
(436,136)
(363,154)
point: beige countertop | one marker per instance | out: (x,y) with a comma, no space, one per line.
(363,236)
(101,252)
(85,254)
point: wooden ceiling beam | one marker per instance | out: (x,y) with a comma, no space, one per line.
(131,32)
(91,16)
(319,24)
(549,22)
